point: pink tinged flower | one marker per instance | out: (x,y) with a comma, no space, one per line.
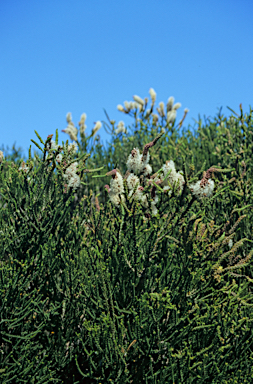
(132,180)
(201,191)
(137,194)
(145,158)
(107,187)
(116,182)
(72,131)
(147,170)
(134,161)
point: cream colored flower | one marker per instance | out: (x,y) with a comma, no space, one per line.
(138,100)
(152,95)
(98,125)
(120,108)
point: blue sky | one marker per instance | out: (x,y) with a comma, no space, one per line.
(75,56)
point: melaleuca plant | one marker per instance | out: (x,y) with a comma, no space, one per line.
(37,200)
(159,289)
(154,283)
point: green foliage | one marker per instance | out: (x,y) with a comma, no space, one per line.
(92,292)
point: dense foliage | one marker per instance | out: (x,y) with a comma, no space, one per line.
(93,292)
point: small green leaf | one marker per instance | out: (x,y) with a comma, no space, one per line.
(40,139)
(37,145)
(56,137)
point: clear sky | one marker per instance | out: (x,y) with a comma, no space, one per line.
(59,56)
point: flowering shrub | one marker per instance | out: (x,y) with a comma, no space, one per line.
(94,293)
(166,177)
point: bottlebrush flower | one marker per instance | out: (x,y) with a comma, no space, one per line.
(202,190)
(74,181)
(116,183)
(72,131)
(147,170)
(173,178)
(1,156)
(132,180)
(134,161)
(71,170)
(116,199)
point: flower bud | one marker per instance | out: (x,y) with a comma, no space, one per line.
(127,105)
(176,106)
(161,105)
(171,116)
(82,120)
(170,103)
(138,100)
(155,118)
(152,95)
(98,125)
(69,117)
(120,108)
